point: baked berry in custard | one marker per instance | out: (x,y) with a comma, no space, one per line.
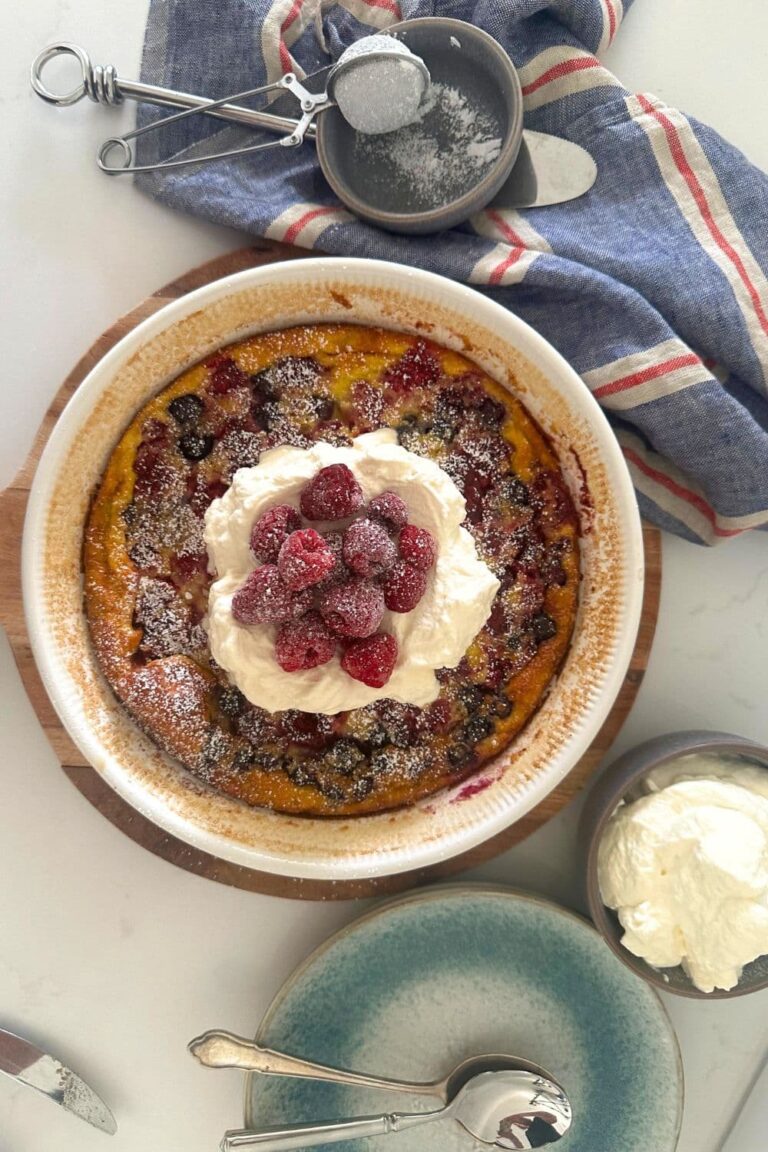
(332,569)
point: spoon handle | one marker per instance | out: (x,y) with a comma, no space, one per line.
(219,1049)
(277,1138)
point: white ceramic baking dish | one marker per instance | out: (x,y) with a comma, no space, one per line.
(373,293)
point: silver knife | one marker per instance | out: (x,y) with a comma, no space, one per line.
(24,1062)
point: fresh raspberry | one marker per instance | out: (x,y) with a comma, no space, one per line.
(271,530)
(390,508)
(304,559)
(265,599)
(418,547)
(417,367)
(404,587)
(371,660)
(368,549)
(333,494)
(304,643)
(354,608)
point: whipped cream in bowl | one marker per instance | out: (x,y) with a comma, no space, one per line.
(435,634)
(678,851)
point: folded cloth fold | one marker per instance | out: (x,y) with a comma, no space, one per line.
(654,285)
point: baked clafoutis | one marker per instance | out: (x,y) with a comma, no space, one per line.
(332,569)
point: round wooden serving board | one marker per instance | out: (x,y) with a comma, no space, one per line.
(13,503)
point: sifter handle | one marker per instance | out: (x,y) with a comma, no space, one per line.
(101,84)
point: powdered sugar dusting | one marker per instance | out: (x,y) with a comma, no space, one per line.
(167,624)
(441,156)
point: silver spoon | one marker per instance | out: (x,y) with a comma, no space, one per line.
(500,1109)
(220,1049)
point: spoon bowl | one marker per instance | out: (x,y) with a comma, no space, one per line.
(503,1108)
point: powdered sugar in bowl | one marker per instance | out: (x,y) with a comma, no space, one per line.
(453,159)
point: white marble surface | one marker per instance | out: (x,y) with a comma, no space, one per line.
(115,958)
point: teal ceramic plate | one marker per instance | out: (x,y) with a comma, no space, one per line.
(418,984)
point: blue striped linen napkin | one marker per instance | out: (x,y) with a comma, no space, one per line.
(653,285)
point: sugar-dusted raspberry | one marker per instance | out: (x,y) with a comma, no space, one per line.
(184,568)
(368,548)
(354,608)
(152,471)
(418,547)
(265,599)
(404,586)
(308,729)
(389,507)
(304,559)
(225,375)
(339,572)
(366,405)
(333,494)
(271,530)
(415,368)
(477,488)
(371,660)
(155,431)
(304,643)
(203,493)
(436,718)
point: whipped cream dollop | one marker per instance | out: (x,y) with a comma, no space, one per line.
(686,868)
(436,634)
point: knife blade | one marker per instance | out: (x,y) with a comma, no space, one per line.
(29,1065)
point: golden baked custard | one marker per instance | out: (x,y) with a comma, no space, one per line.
(147,579)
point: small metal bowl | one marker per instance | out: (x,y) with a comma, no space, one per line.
(623,781)
(461,56)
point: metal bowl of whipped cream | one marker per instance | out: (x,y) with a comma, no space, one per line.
(675,842)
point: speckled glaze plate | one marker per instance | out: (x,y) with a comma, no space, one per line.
(420,983)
